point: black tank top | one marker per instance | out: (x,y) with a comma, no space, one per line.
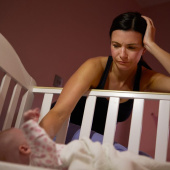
(102,103)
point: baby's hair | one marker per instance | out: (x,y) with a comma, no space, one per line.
(3,135)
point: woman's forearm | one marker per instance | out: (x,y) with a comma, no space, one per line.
(161,55)
(52,123)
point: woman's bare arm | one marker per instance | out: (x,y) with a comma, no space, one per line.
(161,55)
(88,75)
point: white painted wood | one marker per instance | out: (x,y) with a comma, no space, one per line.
(88,117)
(26,104)
(12,107)
(109,93)
(136,126)
(111,120)
(46,104)
(11,64)
(51,90)
(14,166)
(3,90)
(162,131)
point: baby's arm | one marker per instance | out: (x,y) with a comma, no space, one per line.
(44,151)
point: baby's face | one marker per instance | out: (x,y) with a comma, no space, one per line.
(13,141)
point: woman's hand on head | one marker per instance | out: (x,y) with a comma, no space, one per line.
(149,36)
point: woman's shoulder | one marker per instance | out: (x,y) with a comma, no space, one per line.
(98,61)
(94,68)
(147,77)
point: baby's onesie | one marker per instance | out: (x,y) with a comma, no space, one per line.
(44,151)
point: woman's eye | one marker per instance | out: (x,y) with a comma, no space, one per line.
(132,48)
(116,46)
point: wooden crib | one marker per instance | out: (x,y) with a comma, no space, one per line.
(17,99)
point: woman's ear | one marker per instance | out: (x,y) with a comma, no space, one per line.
(144,50)
(24,149)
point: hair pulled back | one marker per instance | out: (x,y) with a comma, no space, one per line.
(129,21)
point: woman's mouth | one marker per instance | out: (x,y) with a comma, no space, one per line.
(122,62)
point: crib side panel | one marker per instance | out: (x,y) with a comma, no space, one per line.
(15,100)
(14,166)
(45,102)
(11,64)
(15,82)
(88,117)
(12,107)
(136,126)
(3,90)
(26,104)
(111,120)
(162,131)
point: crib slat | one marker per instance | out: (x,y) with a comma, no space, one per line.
(162,131)
(88,117)
(3,90)
(26,104)
(12,107)
(136,125)
(46,104)
(111,120)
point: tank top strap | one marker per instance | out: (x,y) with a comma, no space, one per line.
(136,86)
(105,74)
(102,82)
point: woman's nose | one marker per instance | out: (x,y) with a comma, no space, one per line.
(123,53)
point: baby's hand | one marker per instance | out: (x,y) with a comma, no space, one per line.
(32,114)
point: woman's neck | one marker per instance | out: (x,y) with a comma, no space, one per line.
(123,76)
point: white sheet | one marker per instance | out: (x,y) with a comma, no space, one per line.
(87,155)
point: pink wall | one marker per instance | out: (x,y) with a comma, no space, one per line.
(52,35)
(160,15)
(55,37)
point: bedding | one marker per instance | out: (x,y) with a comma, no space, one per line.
(74,133)
(87,155)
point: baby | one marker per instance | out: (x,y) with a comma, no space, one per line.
(30,144)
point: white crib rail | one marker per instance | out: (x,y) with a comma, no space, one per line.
(26,104)
(162,131)
(3,90)
(13,166)
(14,72)
(88,117)
(45,107)
(11,64)
(12,107)
(110,128)
(111,120)
(136,126)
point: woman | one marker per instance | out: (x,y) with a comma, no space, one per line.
(131,35)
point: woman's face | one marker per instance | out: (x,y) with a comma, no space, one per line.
(126,48)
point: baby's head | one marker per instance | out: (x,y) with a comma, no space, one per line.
(14,147)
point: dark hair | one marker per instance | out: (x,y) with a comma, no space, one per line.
(130,21)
